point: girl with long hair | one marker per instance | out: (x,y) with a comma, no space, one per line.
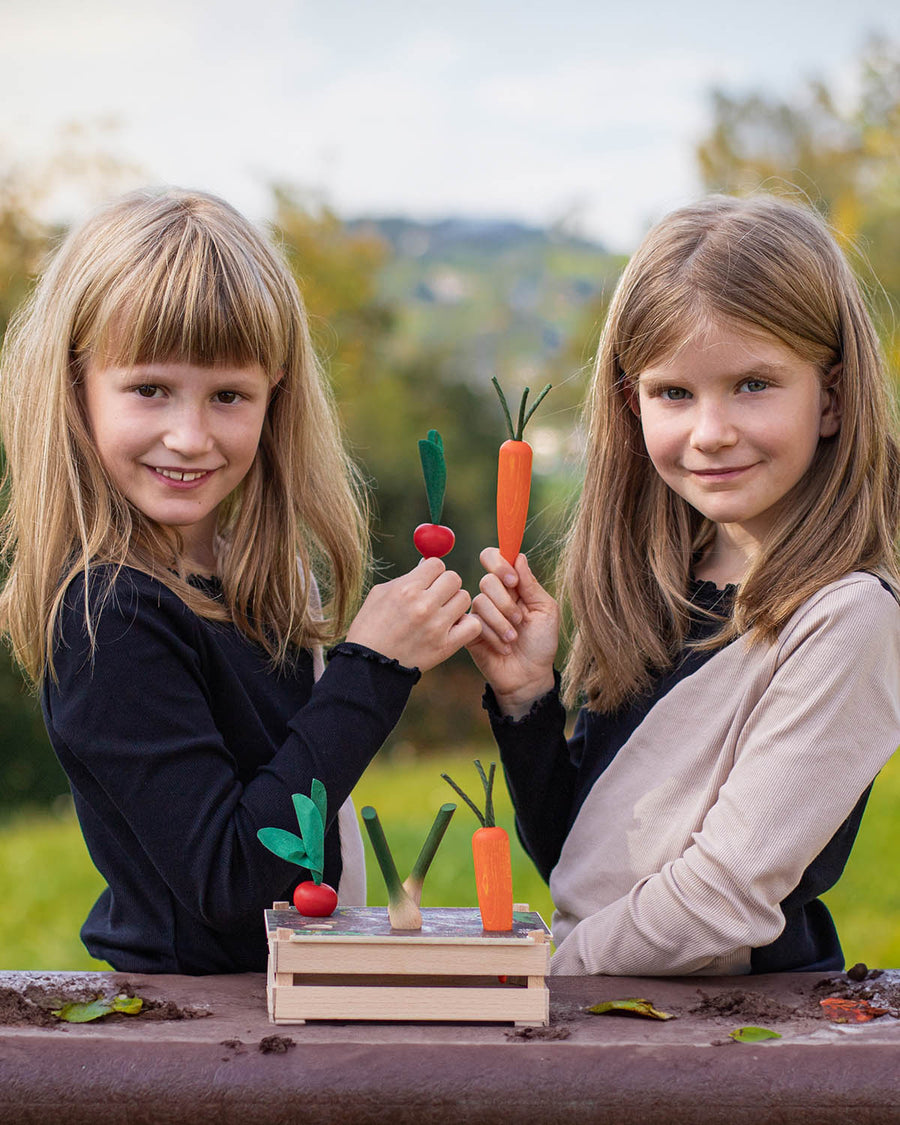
(175,483)
(732,580)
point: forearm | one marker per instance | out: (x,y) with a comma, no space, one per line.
(539,775)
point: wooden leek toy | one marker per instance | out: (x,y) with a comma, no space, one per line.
(514,477)
(405,898)
(433,540)
(313,897)
(490,854)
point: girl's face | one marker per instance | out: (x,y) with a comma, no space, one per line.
(177,440)
(731,422)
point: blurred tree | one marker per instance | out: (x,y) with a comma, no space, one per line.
(840,152)
(388,401)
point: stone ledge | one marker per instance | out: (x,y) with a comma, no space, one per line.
(225,1066)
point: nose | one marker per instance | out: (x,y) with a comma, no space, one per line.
(713,427)
(187,432)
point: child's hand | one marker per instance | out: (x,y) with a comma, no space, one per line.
(519,635)
(418,619)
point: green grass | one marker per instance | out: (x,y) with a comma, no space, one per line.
(47,881)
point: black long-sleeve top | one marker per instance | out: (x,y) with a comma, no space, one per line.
(180,742)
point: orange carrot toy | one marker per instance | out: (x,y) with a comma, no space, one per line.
(514,477)
(490,854)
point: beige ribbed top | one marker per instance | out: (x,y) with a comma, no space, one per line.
(735,781)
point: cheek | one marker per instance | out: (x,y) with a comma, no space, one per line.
(660,442)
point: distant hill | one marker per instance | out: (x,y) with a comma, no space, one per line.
(494,297)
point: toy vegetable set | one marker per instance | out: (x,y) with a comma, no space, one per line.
(403,961)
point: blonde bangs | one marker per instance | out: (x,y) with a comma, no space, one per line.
(189,293)
(174,276)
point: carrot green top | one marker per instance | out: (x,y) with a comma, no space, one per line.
(487,780)
(523,419)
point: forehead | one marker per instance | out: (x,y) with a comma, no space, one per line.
(721,347)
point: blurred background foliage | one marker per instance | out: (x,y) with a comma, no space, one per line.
(412,319)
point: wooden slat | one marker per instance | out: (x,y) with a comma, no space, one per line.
(524,958)
(513,1005)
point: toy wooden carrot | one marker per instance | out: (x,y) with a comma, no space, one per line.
(514,477)
(490,855)
(433,540)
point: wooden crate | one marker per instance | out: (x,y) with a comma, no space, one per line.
(353,966)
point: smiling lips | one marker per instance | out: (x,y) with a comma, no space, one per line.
(182,476)
(725,472)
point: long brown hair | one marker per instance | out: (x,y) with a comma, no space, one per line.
(157,277)
(760,263)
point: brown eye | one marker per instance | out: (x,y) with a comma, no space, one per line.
(147,390)
(227,397)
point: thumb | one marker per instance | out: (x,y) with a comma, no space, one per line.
(530,590)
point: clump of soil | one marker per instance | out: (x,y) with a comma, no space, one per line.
(276,1044)
(524,1034)
(744,1006)
(33,1004)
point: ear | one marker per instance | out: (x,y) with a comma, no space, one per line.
(832,406)
(630,391)
(276,384)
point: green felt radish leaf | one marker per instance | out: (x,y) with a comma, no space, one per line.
(284,844)
(308,849)
(319,798)
(434,469)
(312,829)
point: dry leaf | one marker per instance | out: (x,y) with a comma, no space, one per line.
(839,1010)
(634,1007)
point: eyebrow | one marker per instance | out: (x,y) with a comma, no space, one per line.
(758,370)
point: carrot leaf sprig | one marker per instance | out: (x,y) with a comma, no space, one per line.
(524,416)
(485,818)
(434,469)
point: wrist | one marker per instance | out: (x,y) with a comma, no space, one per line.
(516,704)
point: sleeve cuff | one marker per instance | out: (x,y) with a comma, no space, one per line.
(540,705)
(349,648)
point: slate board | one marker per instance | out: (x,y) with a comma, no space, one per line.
(438,923)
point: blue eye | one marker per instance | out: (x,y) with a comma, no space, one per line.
(673,394)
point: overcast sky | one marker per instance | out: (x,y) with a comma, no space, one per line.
(583,108)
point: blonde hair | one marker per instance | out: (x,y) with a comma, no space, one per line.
(768,265)
(173,276)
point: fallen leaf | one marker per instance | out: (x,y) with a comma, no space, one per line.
(839,1010)
(84,1012)
(753,1034)
(634,1007)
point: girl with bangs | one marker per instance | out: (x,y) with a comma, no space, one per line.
(175,479)
(732,579)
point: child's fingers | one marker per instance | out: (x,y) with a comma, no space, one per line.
(494,619)
(503,600)
(494,563)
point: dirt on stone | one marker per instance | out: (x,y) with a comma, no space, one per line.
(33,1004)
